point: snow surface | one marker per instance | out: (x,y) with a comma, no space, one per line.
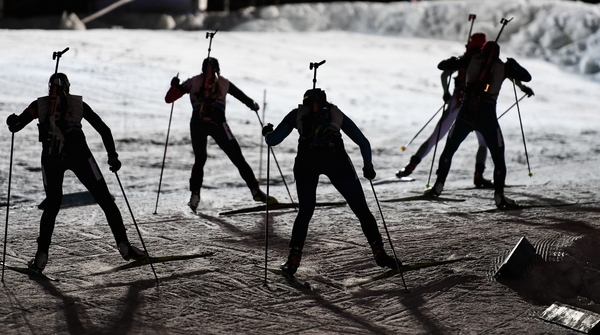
(381,71)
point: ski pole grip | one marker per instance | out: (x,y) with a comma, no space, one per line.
(58,54)
(211,35)
(472,17)
(316,65)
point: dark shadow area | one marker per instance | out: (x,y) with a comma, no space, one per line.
(78,321)
(573,280)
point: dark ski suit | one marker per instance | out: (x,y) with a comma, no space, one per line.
(478,112)
(325,155)
(74,155)
(208,119)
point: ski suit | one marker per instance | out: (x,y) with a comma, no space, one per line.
(325,155)
(74,155)
(208,119)
(450,116)
(478,112)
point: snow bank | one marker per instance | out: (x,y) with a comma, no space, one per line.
(562,32)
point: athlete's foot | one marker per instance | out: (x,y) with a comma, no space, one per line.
(194,201)
(481,182)
(435,191)
(503,202)
(260,196)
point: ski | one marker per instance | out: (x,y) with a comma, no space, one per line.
(393,180)
(147,260)
(422,197)
(277,206)
(292,280)
(30,272)
(403,268)
(526,206)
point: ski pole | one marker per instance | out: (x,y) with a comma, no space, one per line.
(12,144)
(419,132)
(388,235)
(436,144)
(136,226)
(522,132)
(164,155)
(270,149)
(267,214)
(513,105)
(261,139)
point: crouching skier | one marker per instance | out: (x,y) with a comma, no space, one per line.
(64,148)
(321,151)
(207,94)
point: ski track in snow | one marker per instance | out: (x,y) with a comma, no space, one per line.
(124,75)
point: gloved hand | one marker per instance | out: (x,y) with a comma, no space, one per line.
(267,129)
(369,173)
(175,81)
(447,97)
(255,107)
(13,123)
(510,61)
(114,163)
(527,90)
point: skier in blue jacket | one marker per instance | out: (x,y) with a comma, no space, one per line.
(321,151)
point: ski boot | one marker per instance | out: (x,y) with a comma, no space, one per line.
(260,196)
(408,169)
(129,252)
(503,202)
(291,266)
(435,191)
(38,263)
(194,201)
(382,258)
(478,179)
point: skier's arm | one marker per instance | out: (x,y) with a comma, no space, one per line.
(350,129)
(241,96)
(17,122)
(96,122)
(453,64)
(283,129)
(514,71)
(177,90)
(517,73)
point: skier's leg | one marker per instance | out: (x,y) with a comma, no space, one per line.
(344,179)
(480,158)
(53,174)
(199,142)
(231,147)
(88,172)
(434,137)
(306,184)
(430,142)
